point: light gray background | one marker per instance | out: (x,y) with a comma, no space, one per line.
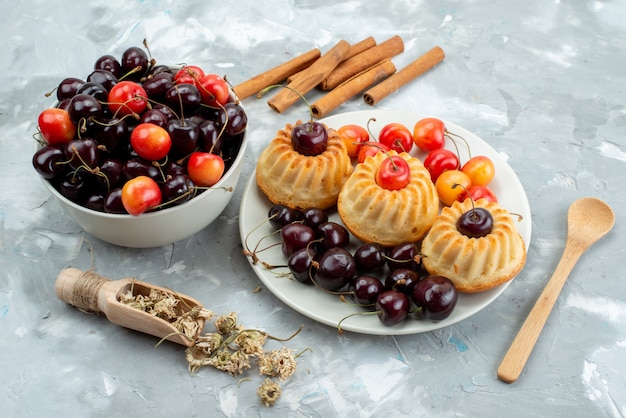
(542,82)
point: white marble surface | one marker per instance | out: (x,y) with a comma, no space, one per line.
(542,82)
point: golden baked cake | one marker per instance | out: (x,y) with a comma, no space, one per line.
(474,264)
(300,181)
(388,217)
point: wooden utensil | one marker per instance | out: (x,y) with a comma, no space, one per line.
(588,220)
(94,293)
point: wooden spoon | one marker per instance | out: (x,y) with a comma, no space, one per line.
(93,293)
(588,220)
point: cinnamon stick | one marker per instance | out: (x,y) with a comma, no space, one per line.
(352,87)
(276,74)
(310,77)
(362,61)
(404,76)
(355,49)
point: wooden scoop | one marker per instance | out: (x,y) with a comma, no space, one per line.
(588,220)
(93,293)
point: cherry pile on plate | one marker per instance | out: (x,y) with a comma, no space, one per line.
(390,281)
(173,131)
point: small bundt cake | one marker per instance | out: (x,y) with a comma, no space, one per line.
(474,264)
(300,181)
(388,217)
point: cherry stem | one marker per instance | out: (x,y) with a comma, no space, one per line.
(452,136)
(332,292)
(340,330)
(473,214)
(417,258)
(273,86)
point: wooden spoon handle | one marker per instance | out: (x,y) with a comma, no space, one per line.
(523,344)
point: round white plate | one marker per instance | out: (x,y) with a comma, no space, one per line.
(328,309)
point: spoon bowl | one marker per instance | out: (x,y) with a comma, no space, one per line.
(588,220)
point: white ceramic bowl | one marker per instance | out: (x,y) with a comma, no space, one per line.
(161,227)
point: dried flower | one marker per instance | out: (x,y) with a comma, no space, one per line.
(251,342)
(280,362)
(233,362)
(226,324)
(268,392)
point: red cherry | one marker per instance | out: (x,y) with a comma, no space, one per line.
(393,173)
(189,74)
(214,90)
(397,137)
(429,134)
(370,149)
(127,97)
(56,126)
(150,141)
(205,169)
(478,192)
(140,194)
(440,160)
(353,136)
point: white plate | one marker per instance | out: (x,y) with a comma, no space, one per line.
(328,309)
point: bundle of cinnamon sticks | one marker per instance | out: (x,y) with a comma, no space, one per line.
(342,72)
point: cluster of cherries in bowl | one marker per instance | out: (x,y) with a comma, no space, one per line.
(389,282)
(134,136)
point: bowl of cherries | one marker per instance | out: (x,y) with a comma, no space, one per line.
(139,154)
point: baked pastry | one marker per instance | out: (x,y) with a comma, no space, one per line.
(388,217)
(474,264)
(300,181)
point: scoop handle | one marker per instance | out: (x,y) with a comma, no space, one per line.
(515,359)
(79,288)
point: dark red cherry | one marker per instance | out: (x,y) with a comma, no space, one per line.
(103,77)
(48,162)
(139,167)
(113,201)
(155,117)
(157,85)
(314,217)
(83,152)
(280,215)
(96,90)
(369,257)
(160,68)
(233,118)
(68,87)
(74,185)
(210,138)
(109,133)
(184,98)
(436,296)
(184,135)
(331,234)
(295,236)
(94,202)
(134,62)
(335,269)
(365,289)
(402,280)
(392,307)
(177,189)
(301,264)
(404,255)
(109,63)
(475,223)
(309,138)
(83,106)
(110,173)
